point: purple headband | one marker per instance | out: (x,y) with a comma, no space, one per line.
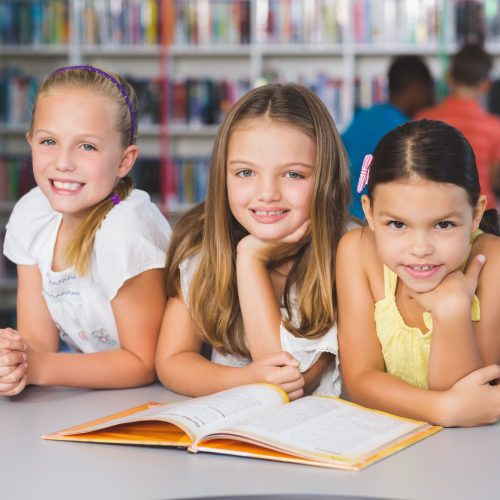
(117,84)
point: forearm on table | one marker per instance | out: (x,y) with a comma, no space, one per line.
(100,370)
(382,391)
(192,374)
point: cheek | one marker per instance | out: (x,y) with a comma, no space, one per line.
(238,193)
(300,196)
(457,254)
(389,250)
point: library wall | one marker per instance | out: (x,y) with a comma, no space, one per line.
(189,60)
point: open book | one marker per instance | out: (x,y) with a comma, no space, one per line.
(257,420)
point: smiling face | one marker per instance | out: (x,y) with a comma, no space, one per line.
(270,177)
(76,149)
(422,228)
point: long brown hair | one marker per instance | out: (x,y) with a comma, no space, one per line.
(211,230)
(79,249)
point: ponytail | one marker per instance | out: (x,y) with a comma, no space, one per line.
(489,223)
(79,250)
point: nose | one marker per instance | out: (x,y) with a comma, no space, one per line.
(64,161)
(421,244)
(269,189)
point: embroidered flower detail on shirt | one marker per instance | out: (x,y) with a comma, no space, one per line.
(103,337)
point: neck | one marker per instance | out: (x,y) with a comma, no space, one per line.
(401,103)
(464,92)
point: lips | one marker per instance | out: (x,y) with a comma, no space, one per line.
(269,213)
(67,186)
(268,216)
(422,271)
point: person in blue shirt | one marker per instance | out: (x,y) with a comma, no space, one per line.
(411,88)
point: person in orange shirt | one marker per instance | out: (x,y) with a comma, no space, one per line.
(468,81)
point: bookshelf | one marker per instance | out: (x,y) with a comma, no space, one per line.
(181,54)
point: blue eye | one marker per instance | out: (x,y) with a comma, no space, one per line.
(48,142)
(244,173)
(294,175)
(88,147)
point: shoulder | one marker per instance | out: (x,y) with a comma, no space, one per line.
(132,239)
(357,258)
(30,226)
(33,206)
(355,243)
(493,123)
(489,246)
(134,219)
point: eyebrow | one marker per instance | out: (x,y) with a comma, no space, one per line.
(83,135)
(447,216)
(289,164)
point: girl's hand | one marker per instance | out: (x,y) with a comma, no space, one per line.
(268,251)
(13,366)
(454,292)
(279,369)
(472,400)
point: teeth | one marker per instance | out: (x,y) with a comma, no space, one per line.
(275,212)
(68,186)
(422,268)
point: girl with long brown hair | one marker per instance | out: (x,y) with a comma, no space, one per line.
(251,270)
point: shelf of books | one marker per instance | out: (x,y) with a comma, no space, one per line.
(189,60)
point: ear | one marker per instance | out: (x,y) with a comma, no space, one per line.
(29,138)
(128,159)
(367,209)
(478,212)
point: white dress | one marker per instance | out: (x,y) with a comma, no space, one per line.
(306,351)
(133,238)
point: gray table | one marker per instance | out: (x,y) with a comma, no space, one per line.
(453,464)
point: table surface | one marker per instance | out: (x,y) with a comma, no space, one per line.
(452,464)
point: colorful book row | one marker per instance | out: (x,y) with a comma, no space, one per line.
(184,182)
(116,22)
(229,22)
(34,22)
(301,21)
(16,177)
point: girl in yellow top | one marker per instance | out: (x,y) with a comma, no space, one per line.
(418,288)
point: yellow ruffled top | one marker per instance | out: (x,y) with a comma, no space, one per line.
(406,349)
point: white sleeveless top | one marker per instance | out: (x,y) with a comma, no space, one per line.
(305,351)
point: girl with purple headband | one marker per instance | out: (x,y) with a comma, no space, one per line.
(419,322)
(89,248)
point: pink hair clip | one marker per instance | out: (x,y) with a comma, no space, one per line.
(365,172)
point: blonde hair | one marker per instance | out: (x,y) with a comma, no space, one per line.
(211,230)
(78,252)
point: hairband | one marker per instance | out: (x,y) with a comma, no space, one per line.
(365,173)
(117,84)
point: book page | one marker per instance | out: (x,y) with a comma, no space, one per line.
(195,416)
(208,413)
(323,427)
